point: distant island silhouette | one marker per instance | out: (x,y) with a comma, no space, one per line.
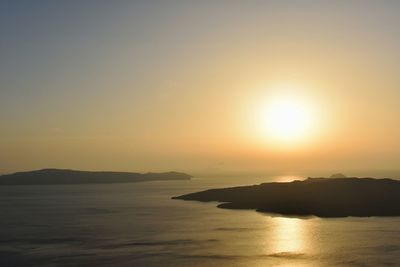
(322,197)
(60,176)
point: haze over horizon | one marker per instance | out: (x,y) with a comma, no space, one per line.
(189,85)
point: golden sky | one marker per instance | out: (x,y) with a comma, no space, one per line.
(184,85)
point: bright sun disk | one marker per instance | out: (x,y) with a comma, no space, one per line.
(286,118)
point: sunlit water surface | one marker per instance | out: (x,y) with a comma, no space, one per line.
(138,224)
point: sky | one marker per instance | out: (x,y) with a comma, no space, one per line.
(179,85)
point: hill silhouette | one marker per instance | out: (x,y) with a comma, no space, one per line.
(59,176)
(323,197)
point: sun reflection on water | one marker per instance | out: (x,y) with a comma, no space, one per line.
(288,178)
(289,235)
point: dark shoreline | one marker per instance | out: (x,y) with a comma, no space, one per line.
(322,197)
(64,177)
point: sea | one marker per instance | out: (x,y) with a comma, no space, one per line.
(138,224)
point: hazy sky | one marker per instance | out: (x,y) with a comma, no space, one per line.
(160,85)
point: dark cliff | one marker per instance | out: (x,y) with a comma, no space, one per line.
(324,197)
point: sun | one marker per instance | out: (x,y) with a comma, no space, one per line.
(287,118)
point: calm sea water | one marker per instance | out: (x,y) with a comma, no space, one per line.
(138,224)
